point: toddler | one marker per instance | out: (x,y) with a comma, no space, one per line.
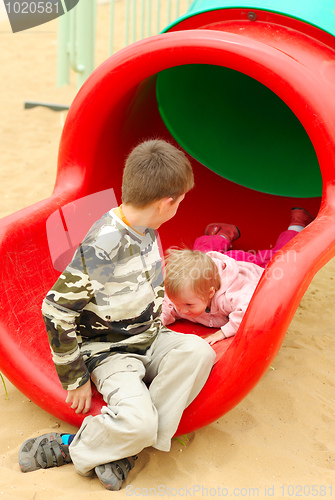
(213,286)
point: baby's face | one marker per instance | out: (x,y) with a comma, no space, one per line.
(189,304)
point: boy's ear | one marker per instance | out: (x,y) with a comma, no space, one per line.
(212,292)
(163,203)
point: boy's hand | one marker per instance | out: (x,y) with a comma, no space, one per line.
(80,398)
(215,337)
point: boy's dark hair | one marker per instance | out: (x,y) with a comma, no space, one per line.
(155,170)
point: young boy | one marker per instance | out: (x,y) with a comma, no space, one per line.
(103,324)
(213,286)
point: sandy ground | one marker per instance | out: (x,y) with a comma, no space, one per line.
(278,442)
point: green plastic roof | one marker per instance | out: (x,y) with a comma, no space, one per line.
(320,13)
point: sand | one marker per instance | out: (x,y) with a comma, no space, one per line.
(278,442)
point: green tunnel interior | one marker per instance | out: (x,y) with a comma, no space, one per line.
(238,128)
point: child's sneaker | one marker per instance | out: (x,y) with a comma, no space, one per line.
(228,231)
(42,452)
(300,217)
(111,475)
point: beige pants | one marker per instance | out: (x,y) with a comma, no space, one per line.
(145,397)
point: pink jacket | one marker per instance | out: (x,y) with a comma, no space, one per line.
(238,283)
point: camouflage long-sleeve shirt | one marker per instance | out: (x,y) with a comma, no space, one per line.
(107,300)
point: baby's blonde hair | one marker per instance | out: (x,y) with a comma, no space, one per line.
(192,266)
(155,169)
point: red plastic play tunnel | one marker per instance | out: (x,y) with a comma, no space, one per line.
(248,94)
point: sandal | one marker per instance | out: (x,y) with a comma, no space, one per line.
(229,231)
(300,217)
(111,475)
(42,452)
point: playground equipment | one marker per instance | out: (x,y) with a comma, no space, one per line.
(76,42)
(260,133)
(77,30)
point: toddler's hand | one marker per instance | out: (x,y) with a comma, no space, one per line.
(80,398)
(215,337)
